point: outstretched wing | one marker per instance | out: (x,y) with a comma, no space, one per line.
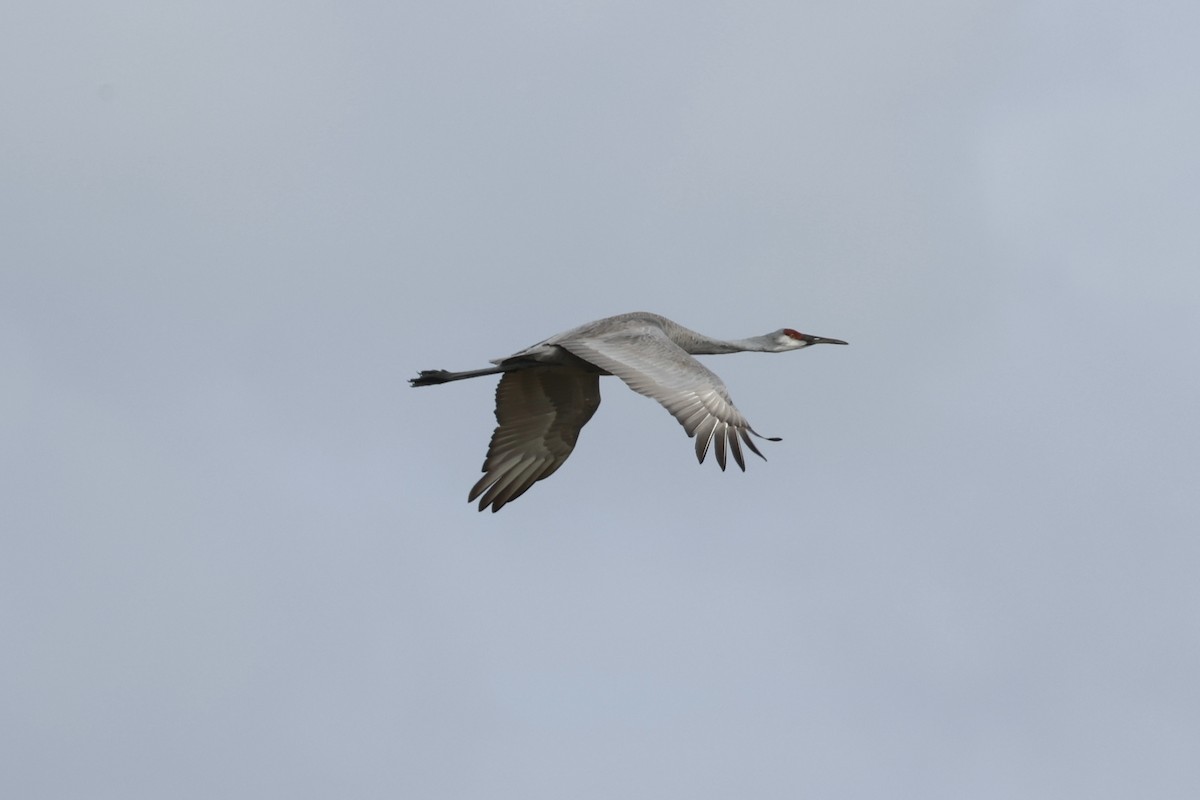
(541,411)
(645,358)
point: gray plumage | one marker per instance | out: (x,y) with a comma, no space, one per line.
(549,391)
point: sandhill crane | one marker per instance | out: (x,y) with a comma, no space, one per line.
(549,391)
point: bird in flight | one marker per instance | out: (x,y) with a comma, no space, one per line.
(549,391)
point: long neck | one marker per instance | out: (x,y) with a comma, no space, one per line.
(700,345)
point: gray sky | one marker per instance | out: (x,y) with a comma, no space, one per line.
(238,561)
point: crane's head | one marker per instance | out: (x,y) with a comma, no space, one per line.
(789,339)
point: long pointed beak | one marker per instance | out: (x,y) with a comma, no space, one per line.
(823,340)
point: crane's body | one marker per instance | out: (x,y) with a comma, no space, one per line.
(549,391)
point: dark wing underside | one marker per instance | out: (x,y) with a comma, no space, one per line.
(540,412)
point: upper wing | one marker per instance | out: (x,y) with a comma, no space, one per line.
(645,358)
(541,411)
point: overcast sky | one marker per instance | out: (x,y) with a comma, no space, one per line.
(238,560)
